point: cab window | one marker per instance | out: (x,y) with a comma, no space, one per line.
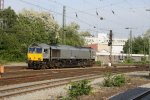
(31,50)
(38,50)
(45,50)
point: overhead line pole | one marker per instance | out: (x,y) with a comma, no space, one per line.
(130,42)
(149,52)
(149,46)
(63,25)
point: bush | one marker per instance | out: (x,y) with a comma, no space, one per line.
(108,81)
(117,80)
(99,63)
(79,88)
(13,56)
(143,60)
(129,60)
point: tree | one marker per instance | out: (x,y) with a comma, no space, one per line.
(72,36)
(17,32)
(139,45)
(85,34)
(9,44)
(8,19)
(45,20)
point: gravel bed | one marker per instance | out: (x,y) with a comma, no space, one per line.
(57,92)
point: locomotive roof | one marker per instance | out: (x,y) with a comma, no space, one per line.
(68,47)
(43,45)
(62,47)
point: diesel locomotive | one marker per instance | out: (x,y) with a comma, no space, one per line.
(51,56)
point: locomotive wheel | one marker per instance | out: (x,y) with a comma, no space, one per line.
(37,67)
(30,66)
(44,66)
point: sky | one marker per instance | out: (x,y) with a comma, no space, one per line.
(95,16)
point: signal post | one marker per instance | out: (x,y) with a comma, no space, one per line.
(110,44)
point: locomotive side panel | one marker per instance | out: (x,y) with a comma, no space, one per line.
(75,53)
(84,54)
(93,54)
(65,54)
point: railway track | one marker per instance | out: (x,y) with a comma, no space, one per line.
(10,78)
(34,86)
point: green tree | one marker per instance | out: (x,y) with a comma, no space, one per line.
(9,44)
(139,45)
(86,33)
(44,28)
(17,32)
(72,36)
(8,18)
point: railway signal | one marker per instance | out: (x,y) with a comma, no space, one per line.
(110,38)
(110,44)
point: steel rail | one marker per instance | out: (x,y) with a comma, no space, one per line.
(7,92)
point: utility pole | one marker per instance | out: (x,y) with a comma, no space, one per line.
(149,51)
(1,4)
(149,45)
(130,44)
(63,25)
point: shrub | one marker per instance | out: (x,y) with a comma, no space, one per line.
(129,60)
(143,60)
(99,63)
(79,88)
(117,80)
(108,82)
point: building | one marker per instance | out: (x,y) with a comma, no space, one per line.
(102,43)
(94,46)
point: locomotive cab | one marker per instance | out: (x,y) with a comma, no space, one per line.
(37,55)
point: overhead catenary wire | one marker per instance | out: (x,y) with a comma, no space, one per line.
(61,14)
(57,13)
(79,18)
(93,15)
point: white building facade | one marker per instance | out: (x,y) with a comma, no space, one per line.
(102,41)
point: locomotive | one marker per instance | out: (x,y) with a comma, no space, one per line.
(51,56)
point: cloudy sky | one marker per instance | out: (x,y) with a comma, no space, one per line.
(95,16)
